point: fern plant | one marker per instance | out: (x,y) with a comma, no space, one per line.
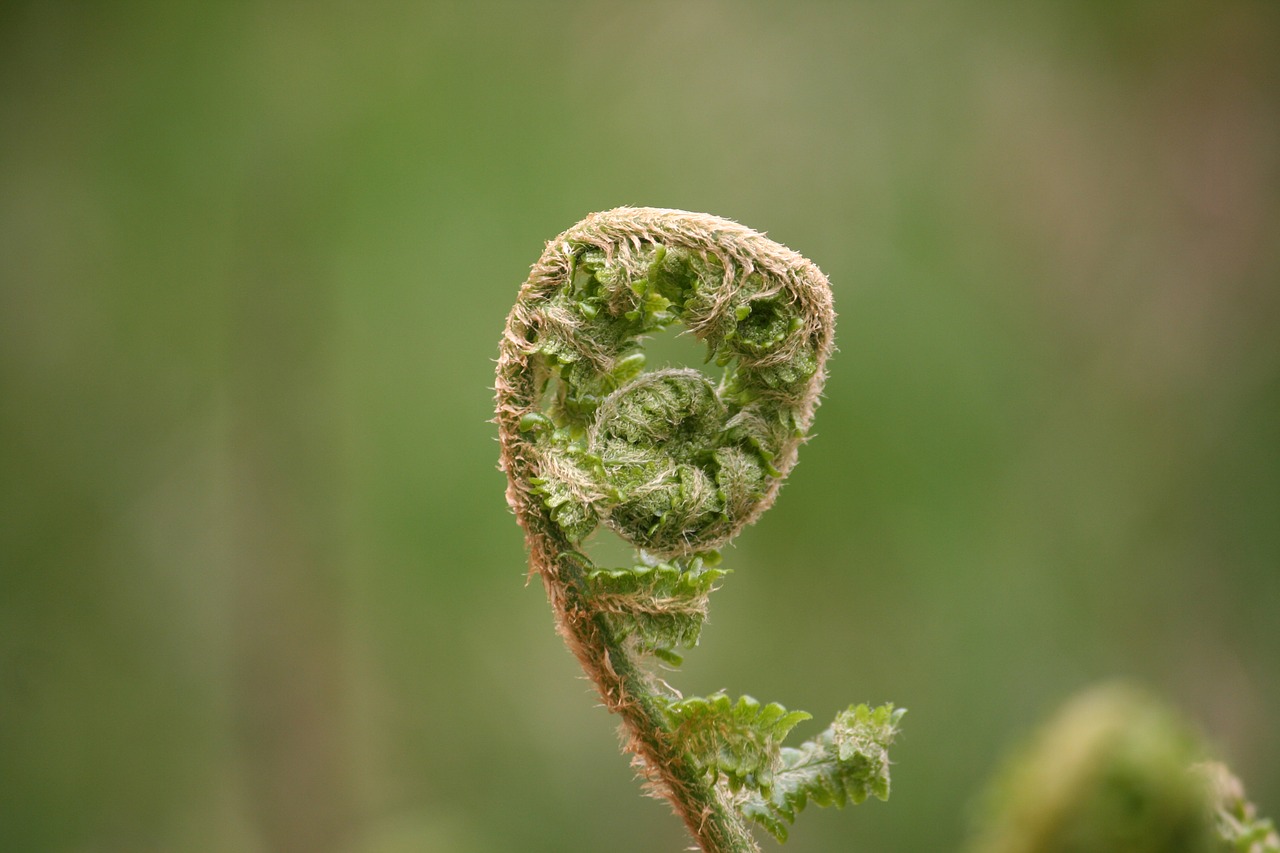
(1116,771)
(675,463)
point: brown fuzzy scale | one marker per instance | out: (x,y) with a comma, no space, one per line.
(749,261)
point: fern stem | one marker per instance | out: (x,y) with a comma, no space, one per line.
(627,690)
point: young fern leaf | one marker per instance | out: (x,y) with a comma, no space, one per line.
(661,607)
(674,462)
(845,764)
(740,740)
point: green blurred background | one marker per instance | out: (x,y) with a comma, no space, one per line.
(260,590)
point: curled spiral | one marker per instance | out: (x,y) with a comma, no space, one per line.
(673,461)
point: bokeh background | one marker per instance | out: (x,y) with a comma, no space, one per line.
(260,591)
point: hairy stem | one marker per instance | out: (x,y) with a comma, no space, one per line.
(628,691)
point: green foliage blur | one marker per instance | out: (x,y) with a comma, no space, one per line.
(1109,773)
(259,589)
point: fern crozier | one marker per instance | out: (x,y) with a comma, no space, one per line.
(675,463)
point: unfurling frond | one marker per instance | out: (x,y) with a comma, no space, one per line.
(740,740)
(676,462)
(662,606)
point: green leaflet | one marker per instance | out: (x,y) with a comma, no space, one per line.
(662,606)
(845,764)
(738,739)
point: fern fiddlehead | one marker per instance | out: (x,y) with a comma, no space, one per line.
(676,465)
(1117,771)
